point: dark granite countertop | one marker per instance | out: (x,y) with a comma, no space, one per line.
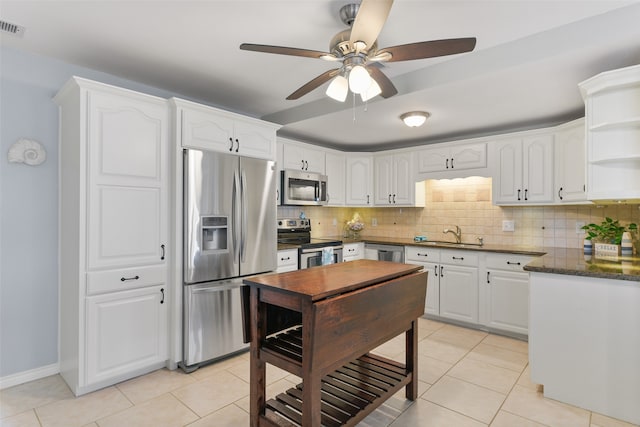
(575,263)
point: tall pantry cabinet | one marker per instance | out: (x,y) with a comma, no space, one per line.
(113,250)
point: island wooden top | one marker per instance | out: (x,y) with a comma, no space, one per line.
(329,280)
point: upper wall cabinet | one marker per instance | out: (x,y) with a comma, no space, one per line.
(465,156)
(570,176)
(394,183)
(524,170)
(359,180)
(207,128)
(336,178)
(613,135)
(301,156)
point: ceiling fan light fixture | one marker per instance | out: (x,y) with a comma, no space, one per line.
(359,79)
(373,91)
(338,88)
(414,119)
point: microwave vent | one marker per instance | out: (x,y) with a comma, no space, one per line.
(8,27)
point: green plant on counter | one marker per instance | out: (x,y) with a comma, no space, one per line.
(608,231)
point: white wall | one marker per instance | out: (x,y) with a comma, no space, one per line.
(29,207)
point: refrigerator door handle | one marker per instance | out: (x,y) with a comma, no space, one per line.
(243,218)
(234,213)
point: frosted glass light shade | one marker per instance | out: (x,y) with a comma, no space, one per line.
(414,119)
(338,89)
(373,90)
(359,79)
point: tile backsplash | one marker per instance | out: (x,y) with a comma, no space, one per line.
(467,203)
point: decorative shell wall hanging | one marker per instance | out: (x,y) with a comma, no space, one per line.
(27,151)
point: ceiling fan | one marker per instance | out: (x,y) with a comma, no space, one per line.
(356,48)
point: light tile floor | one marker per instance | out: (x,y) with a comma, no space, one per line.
(467,378)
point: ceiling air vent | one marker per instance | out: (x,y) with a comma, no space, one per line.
(7,27)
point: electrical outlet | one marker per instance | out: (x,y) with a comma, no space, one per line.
(374,222)
(334,222)
(508,225)
(579,225)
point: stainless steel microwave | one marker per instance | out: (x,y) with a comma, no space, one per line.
(303,188)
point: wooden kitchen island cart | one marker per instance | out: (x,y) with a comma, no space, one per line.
(320,324)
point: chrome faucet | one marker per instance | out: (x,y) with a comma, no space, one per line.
(457,233)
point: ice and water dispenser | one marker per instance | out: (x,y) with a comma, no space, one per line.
(214,233)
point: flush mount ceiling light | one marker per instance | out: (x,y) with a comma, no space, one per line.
(414,119)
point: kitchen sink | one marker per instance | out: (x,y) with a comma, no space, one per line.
(451,244)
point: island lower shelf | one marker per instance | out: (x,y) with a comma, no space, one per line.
(348,395)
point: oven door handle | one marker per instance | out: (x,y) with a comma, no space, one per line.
(311,250)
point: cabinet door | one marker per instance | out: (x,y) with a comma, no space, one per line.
(128,181)
(207,131)
(508,301)
(254,140)
(126,331)
(404,186)
(302,157)
(287,260)
(537,168)
(359,178)
(432,303)
(570,162)
(508,188)
(336,174)
(384,180)
(469,156)
(459,293)
(433,160)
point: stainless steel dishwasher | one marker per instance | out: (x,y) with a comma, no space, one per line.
(384,252)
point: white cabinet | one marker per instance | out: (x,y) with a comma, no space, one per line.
(208,128)
(336,178)
(287,260)
(359,180)
(430,260)
(394,183)
(126,331)
(113,233)
(613,135)
(504,299)
(301,156)
(449,158)
(524,170)
(570,162)
(352,251)
(459,285)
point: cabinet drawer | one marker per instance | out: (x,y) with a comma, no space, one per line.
(353,250)
(288,258)
(468,258)
(422,254)
(510,262)
(126,278)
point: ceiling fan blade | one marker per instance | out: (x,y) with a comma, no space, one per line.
(369,21)
(311,85)
(281,50)
(388,89)
(430,49)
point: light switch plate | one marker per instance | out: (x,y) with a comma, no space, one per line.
(374,222)
(508,225)
(579,225)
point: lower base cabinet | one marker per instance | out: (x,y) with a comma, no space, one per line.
(287,260)
(352,251)
(126,332)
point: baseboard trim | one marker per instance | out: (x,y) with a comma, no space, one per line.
(26,376)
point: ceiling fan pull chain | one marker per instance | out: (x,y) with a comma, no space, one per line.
(354,107)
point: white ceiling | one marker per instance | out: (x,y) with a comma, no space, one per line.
(529,58)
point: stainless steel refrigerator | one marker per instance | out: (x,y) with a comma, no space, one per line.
(229,232)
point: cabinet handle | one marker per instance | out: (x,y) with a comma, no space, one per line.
(513,263)
(389,198)
(124,279)
(461,258)
(518,194)
(435,270)
(526,196)
(394,198)
(367,199)
(452,163)
(302,167)
(488,281)
(162,247)
(231,146)
(419,254)
(306,165)
(162,300)
(285,259)
(560,195)
(237,145)
(441,271)
(447,163)
(277,195)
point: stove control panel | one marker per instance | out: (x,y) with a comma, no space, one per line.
(294,224)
